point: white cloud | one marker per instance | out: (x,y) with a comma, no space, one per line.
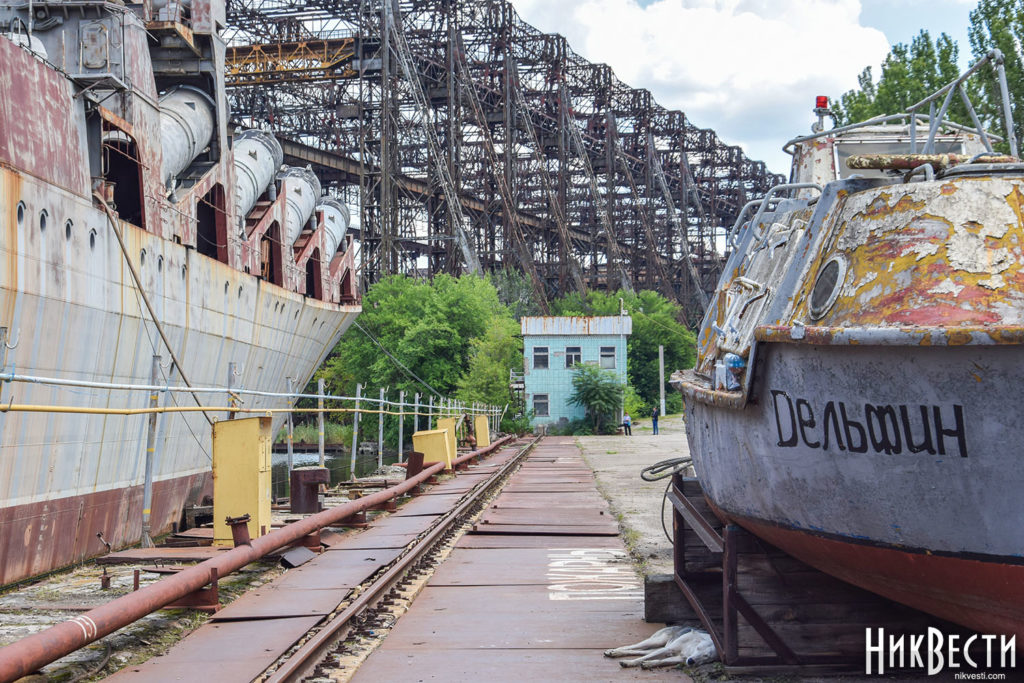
(749,69)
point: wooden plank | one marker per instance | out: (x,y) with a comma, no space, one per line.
(696,521)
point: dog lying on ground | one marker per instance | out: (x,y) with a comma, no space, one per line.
(668,646)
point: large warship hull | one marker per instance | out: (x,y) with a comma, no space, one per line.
(889,467)
(228,291)
(73,312)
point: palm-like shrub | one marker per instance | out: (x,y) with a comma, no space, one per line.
(600,393)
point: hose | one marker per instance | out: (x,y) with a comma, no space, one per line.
(661,470)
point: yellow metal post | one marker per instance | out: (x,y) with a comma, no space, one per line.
(241,476)
(449,423)
(482,431)
(435,445)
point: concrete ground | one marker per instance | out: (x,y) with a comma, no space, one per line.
(617,461)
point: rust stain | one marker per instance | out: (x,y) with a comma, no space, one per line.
(880,207)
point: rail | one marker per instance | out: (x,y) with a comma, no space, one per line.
(303,660)
(29,654)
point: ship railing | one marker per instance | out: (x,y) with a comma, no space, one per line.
(937,120)
(733,237)
(421,406)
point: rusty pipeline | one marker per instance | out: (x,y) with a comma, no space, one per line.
(31,653)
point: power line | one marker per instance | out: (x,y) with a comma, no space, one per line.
(395,360)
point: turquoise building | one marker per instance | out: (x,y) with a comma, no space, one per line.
(553,345)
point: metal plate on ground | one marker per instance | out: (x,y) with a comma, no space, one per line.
(374,539)
(516,616)
(421,664)
(605,571)
(556,516)
(338,569)
(458,486)
(275,601)
(587,499)
(541,530)
(527,487)
(403,525)
(512,541)
(428,505)
(222,651)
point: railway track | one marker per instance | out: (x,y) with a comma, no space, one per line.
(308,659)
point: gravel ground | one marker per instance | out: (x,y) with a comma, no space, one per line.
(617,461)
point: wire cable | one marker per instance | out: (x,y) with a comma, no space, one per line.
(395,360)
(661,470)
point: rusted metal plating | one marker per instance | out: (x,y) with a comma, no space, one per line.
(29,654)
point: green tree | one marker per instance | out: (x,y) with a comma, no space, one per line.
(492,356)
(428,327)
(909,74)
(600,393)
(999,24)
(515,292)
(655,322)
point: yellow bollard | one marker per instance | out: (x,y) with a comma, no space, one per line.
(481,428)
(449,424)
(436,445)
(241,476)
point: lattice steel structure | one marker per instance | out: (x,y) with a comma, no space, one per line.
(560,169)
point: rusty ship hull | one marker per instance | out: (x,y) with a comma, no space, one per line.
(854,399)
(860,462)
(84,122)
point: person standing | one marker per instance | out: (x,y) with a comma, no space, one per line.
(654,418)
(627,424)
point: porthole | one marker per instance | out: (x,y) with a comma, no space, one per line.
(226,285)
(183,272)
(42,220)
(142,257)
(160,264)
(92,239)
(67,229)
(827,286)
(21,214)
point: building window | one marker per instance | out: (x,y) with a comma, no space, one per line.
(540,358)
(573,356)
(540,405)
(608,357)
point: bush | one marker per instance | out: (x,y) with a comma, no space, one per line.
(634,404)
(599,392)
(334,433)
(519,424)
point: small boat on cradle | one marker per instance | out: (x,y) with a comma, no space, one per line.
(856,396)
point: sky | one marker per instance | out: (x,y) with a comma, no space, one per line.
(749,69)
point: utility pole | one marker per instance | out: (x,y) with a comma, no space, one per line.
(147,487)
(291,424)
(355,433)
(661,375)
(380,431)
(320,415)
(401,423)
